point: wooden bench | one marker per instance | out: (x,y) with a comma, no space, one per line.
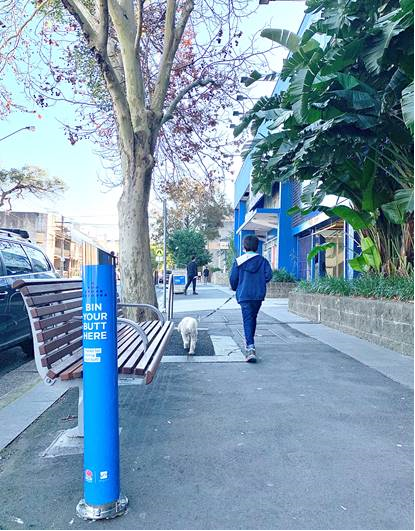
(54,307)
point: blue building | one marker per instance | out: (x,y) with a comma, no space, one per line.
(286,240)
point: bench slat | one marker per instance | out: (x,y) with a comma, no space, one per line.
(155,362)
(54,297)
(64,365)
(47,322)
(47,349)
(75,370)
(56,308)
(145,360)
(126,364)
(49,287)
(133,337)
(48,361)
(45,335)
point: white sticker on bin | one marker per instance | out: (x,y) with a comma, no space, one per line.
(91,355)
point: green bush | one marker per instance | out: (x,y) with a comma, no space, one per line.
(282,275)
(367,285)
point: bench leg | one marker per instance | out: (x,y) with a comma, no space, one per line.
(78,431)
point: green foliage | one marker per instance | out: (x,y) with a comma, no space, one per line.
(231,252)
(366,285)
(345,122)
(193,205)
(185,243)
(318,249)
(16,183)
(407,102)
(282,275)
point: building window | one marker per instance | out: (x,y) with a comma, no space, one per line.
(331,262)
(303,265)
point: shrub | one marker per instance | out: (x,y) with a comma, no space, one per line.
(282,275)
(367,285)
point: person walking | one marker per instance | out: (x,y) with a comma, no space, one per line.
(249,276)
(191,275)
(205,275)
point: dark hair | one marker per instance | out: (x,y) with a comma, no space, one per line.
(251,243)
(193,257)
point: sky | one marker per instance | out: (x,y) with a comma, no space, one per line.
(86,199)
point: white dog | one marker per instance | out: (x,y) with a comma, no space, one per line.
(188,328)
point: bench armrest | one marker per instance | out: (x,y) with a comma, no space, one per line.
(133,324)
(137,328)
(150,306)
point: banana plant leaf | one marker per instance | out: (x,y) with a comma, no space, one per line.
(318,249)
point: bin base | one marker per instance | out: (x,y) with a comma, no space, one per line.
(102,512)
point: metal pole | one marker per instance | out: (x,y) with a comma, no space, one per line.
(164,252)
(62,247)
(28,127)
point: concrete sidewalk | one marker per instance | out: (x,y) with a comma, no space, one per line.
(311,437)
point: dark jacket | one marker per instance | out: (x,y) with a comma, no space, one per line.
(191,270)
(249,276)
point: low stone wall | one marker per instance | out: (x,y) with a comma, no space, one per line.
(221,279)
(279,290)
(386,323)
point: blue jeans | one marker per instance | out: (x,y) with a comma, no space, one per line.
(250,311)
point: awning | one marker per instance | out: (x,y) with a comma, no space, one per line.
(261,220)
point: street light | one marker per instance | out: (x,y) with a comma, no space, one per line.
(28,127)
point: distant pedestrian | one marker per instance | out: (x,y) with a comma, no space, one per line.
(191,275)
(205,275)
(249,276)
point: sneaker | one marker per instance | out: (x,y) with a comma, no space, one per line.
(184,292)
(195,293)
(250,355)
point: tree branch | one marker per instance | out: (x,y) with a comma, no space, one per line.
(123,19)
(167,57)
(102,39)
(139,22)
(87,21)
(91,30)
(168,115)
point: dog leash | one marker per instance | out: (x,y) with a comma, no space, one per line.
(214,311)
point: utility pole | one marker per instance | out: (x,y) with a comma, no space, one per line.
(164,253)
(62,246)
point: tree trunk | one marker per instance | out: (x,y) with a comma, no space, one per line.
(135,259)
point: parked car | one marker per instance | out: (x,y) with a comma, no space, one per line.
(19,258)
(166,276)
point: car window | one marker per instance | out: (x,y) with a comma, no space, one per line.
(38,259)
(14,258)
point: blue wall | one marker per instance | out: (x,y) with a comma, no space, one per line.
(287,245)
